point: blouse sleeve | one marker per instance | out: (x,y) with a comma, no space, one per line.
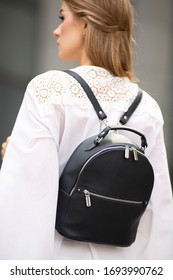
(155,232)
(29,185)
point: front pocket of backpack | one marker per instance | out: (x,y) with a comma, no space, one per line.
(101,219)
(89,195)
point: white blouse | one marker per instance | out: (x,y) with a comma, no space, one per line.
(54,118)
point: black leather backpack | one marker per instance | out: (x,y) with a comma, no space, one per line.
(106,184)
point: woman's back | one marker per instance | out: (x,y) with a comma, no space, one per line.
(115,94)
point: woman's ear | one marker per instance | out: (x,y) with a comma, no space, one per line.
(84,31)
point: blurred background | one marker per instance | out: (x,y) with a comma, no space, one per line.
(28,48)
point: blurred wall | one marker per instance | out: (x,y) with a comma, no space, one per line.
(154,57)
(28,48)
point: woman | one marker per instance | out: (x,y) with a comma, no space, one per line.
(56,116)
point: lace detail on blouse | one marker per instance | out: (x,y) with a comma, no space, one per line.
(57,87)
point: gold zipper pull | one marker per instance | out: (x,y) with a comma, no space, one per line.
(87,198)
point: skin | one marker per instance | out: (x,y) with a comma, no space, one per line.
(70,37)
(4,146)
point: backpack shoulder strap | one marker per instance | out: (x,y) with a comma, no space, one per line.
(99,111)
(126,116)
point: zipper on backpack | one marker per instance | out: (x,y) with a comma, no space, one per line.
(135,154)
(127,156)
(87,198)
(89,204)
(127,152)
(90,159)
(134,151)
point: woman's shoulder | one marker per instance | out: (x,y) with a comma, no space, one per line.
(57,87)
(47,82)
(51,87)
(151,106)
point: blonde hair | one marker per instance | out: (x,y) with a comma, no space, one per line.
(109,33)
